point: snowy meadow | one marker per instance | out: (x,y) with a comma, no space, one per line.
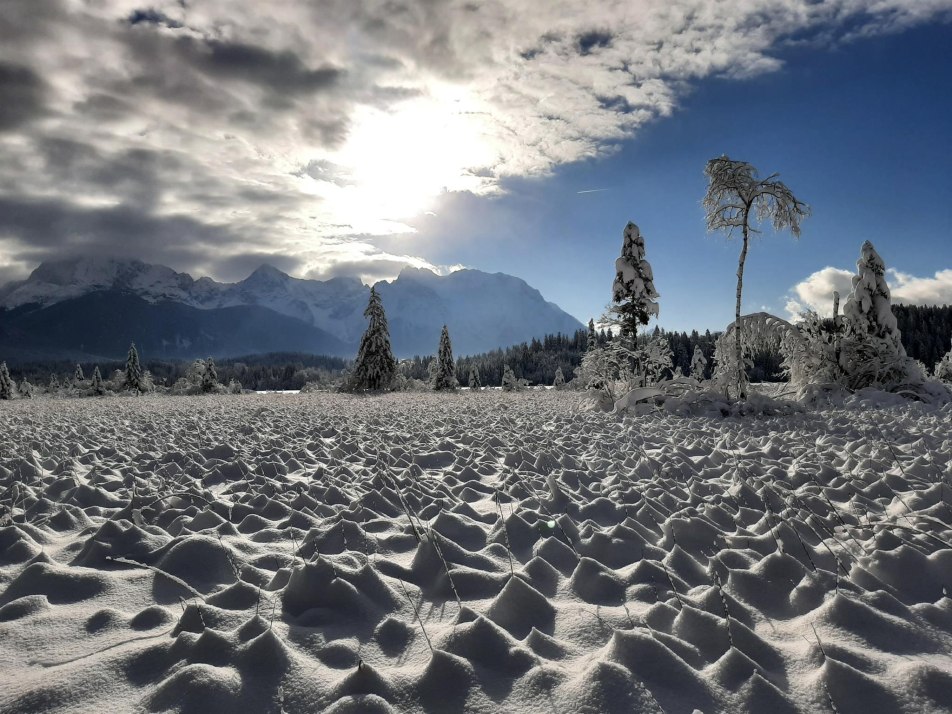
(471,552)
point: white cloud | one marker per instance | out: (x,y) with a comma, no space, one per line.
(294,125)
(815,292)
(912,290)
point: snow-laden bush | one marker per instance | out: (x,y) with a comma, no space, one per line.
(201,378)
(509,381)
(943,368)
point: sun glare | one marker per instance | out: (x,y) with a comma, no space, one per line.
(402,159)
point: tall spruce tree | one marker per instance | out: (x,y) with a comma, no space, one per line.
(132,379)
(592,339)
(633,291)
(375,366)
(445,377)
(7,388)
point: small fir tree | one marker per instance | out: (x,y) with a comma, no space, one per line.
(375,366)
(132,378)
(592,341)
(474,382)
(509,381)
(559,380)
(98,388)
(209,376)
(445,377)
(698,364)
(26,389)
(78,376)
(7,388)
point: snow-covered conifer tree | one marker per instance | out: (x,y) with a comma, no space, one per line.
(78,376)
(869,306)
(132,379)
(7,388)
(375,366)
(209,376)
(445,377)
(698,364)
(54,386)
(509,381)
(559,380)
(98,387)
(633,291)
(592,341)
(871,353)
(474,381)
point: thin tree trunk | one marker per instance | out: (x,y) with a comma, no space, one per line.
(741,392)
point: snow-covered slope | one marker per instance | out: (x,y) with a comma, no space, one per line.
(482,310)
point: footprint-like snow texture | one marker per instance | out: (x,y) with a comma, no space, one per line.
(473,552)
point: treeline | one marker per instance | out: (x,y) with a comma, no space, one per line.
(926,334)
(926,331)
(272,371)
(538,360)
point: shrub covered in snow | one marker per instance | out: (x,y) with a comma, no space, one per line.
(943,368)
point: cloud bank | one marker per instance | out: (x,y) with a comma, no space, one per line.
(815,292)
(196,133)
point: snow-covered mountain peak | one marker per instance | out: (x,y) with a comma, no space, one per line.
(266,275)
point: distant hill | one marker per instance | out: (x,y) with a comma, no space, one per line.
(92,308)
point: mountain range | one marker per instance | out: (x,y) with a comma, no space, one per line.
(92,308)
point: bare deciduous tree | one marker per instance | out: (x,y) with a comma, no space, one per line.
(735,196)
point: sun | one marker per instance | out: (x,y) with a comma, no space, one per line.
(400,160)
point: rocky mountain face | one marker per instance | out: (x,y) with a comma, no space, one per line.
(87,308)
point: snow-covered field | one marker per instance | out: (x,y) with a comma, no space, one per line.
(289,553)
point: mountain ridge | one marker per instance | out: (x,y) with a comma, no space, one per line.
(484,311)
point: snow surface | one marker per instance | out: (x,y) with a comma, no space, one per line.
(596,563)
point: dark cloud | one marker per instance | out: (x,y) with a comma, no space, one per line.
(593,40)
(40,229)
(152,17)
(279,72)
(21,96)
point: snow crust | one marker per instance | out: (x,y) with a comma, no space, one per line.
(484,552)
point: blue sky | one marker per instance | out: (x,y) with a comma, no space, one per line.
(863,133)
(346,138)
